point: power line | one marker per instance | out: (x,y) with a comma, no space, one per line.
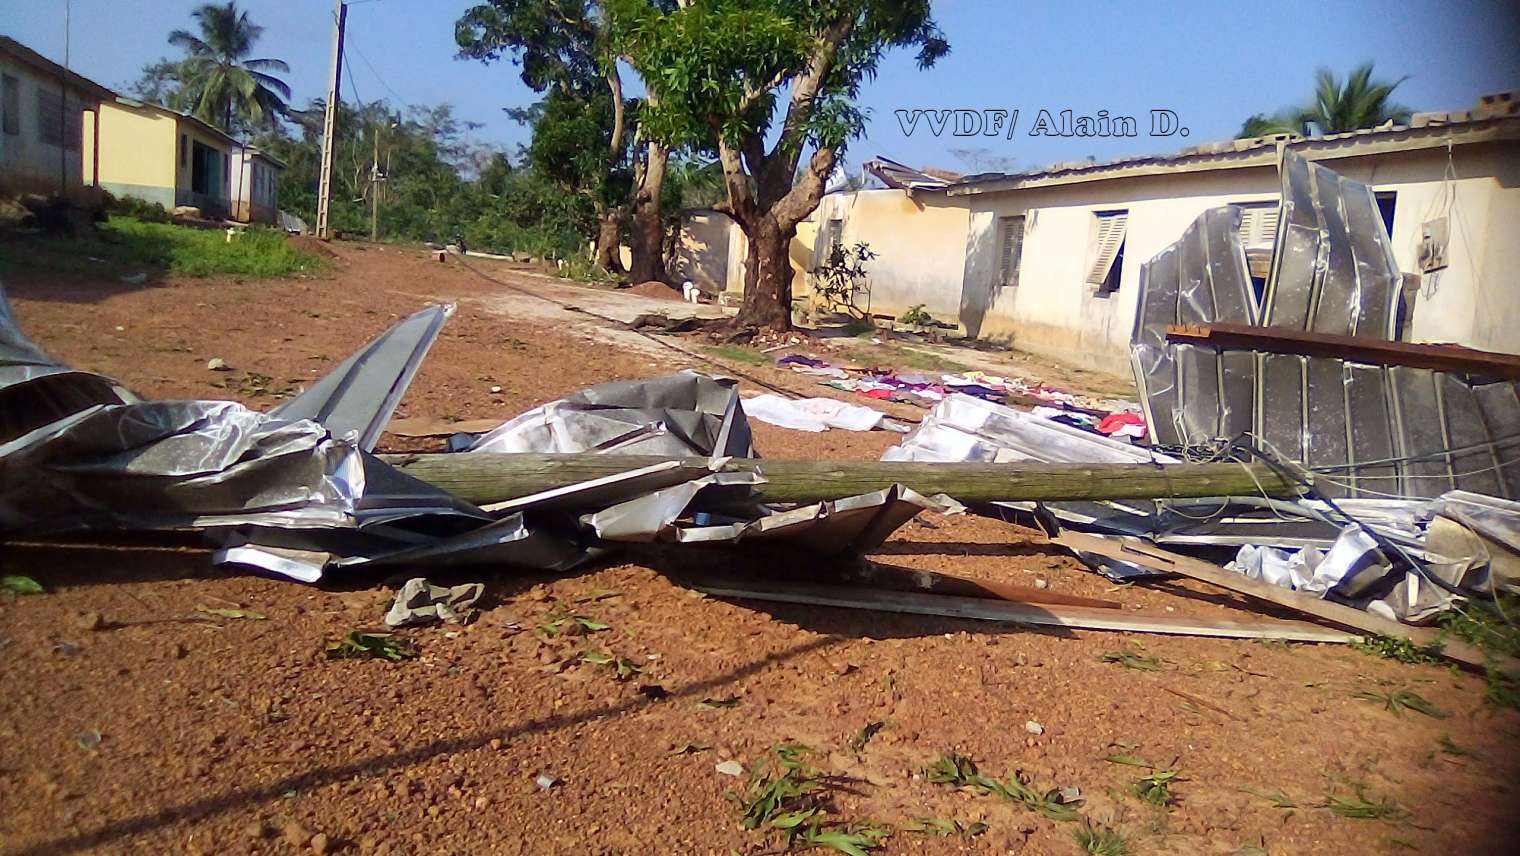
(400,102)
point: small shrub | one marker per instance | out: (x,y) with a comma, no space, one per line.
(357,644)
(916,316)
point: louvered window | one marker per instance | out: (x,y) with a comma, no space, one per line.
(1011,249)
(56,124)
(1258,225)
(1108,255)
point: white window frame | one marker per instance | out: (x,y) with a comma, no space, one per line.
(1110,228)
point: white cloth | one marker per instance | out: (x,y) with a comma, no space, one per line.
(812,414)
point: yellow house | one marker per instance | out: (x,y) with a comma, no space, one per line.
(159,155)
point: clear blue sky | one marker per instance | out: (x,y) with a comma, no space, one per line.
(1213,63)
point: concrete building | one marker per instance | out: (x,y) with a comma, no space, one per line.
(159,155)
(1048,260)
(47,124)
(255,183)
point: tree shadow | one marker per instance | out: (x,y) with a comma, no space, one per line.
(86,269)
(208,806)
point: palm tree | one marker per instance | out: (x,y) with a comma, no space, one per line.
(1360,102)
(219,74)
(1336,108)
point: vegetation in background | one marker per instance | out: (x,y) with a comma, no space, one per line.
(841,276)
(761,84)
(220,78)
(126,246)
(1336,107)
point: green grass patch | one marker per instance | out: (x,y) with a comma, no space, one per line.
(17,584)
(1099,840)
(1398,701)
(359,645)
(785,796)
(960,771)
(737,354)
(1392,648)
(125,246)
(1133,660)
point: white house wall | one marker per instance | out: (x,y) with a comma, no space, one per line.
(27,164)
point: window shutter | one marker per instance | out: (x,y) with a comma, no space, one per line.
(1258,225)
(1111,228)
(1011,245)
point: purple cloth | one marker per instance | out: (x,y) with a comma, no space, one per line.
(801,360)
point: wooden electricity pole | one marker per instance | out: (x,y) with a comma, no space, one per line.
(329,125)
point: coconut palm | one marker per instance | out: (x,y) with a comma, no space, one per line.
(1337,107)
(223,81)
(1359,102)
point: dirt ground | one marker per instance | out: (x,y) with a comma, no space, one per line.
(129,724)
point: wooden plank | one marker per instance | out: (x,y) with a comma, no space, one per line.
(1151,556)
(1282,340)
(488,478)
(1027,614)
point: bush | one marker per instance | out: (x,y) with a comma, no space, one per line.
(131,206)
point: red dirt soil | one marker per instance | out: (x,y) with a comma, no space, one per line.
(225,735)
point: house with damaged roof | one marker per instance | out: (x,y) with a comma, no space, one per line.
(1048,260)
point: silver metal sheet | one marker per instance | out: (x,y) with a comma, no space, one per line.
(360,394)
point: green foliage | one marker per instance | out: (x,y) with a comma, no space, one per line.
(622,668)
(945,827)
(1099,840)
(916,316)
(1450,747)
(1392,648)
(864,735)
(18,584)
(357,644)
(842,276)
(1155,786)
(785,795)
(218,79)
(737,353)
(1490,628)
(719,703)
(1357,805)
(131,206)
(126,246)
(1398,701)
(1335,107)
(959,771)
(561,618)
(1133,660)
(1279,799)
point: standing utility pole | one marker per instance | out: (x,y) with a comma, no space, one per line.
(374,190)
(329,125)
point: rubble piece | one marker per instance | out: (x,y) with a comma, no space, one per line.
(876,575)
(493,478)
(812,414)
(1278,340)
(1031,615)
(1346,616)
(421,602)
(682,414)
(361,393)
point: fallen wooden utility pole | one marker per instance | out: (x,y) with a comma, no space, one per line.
(1130,550)
(1029,614)
(489,478)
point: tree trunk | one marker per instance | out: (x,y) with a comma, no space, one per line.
(648,242)
(767,277)
(609,233)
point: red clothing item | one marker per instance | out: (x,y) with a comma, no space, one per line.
(1114,421)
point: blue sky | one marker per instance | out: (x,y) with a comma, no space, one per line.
(1213,63)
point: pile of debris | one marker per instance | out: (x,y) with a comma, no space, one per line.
(1294,487)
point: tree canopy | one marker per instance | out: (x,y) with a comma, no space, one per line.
(1336,107)
(218,79)
(717,72)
